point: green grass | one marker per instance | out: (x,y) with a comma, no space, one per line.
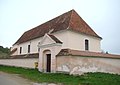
(86,79)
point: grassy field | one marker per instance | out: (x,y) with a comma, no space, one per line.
(65,79)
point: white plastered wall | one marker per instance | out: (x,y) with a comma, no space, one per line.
(16,52)
(80,65)
(71,40)
(33,47)
(48,46)
(63,37)
(27,63)
(77,41)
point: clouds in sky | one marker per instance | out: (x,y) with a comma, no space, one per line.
(18,16)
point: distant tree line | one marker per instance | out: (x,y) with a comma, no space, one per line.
(4,52)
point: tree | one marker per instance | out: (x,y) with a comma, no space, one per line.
(4,50)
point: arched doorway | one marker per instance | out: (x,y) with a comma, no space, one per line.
(47,60)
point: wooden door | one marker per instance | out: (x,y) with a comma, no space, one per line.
(48,69)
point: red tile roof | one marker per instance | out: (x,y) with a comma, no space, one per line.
(67,52)
(55,39)
(69,20)
(14,50)
(33,55)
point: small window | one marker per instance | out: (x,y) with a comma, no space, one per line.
(38,49)
(28,48)
(20,50)
(86,44)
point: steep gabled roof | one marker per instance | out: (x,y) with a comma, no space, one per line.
(69,20)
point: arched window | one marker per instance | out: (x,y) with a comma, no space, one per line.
(86,44)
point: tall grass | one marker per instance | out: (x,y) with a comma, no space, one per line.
(86,79)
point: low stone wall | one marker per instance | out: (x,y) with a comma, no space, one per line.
(26,63)
(80,65)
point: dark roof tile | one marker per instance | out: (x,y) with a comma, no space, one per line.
(69,20)
(33,55)
(55,39)
(67,52)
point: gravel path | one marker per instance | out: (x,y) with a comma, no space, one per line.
(13,79)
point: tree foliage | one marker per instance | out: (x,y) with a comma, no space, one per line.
(4,52)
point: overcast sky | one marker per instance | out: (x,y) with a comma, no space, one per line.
(18,16)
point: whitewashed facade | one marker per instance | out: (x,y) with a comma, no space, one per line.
(71,40)
(66,44)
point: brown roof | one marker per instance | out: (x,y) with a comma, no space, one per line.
(55,39)
(69,20)
(14,50)
(67,52)
(33,55)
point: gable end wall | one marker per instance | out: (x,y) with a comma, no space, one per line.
(76,41)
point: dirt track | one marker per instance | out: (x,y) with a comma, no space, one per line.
(13,79)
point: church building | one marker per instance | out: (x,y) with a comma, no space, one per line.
(65,44)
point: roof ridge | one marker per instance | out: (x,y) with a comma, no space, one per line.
(68,20)
(70,17)
(76,19)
